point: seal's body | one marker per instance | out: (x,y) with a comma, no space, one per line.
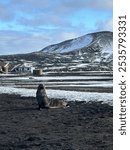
(41,97)
(58,104)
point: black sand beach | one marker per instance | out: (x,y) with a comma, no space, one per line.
(82,126)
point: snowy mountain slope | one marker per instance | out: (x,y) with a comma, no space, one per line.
(99,40)
(93,48)
(69,45)
(91,52)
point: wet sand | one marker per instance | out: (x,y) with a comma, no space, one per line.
(82,126)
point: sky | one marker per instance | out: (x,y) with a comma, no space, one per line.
(30,25)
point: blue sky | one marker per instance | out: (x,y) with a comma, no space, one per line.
(30,25)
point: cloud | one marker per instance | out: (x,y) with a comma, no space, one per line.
(30,25)
(68,35)
(71,6)
(106,25)
(101,4)
(23,42)
(5,13)
(43,10)
(44,20)
(20,42)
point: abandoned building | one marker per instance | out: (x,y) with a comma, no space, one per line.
(4,67)
(23,68)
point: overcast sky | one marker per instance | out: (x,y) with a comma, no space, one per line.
(30,25)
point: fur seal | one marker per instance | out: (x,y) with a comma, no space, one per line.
(41,97)
(44,102)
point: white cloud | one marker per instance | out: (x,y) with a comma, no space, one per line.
(101,4)
(37,12)
(71,6)
(20,42)
(69,35)
(30,25)
(109,25)
(106,25)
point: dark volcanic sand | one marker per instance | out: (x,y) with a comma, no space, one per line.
(82,126)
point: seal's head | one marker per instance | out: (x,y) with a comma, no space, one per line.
(41,87)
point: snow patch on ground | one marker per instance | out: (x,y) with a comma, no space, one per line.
(60,78)
(85,86)
(61,94)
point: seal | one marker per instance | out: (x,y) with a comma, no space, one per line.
(41,97)
(44,102)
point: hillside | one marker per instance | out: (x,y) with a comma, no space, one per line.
(93,52)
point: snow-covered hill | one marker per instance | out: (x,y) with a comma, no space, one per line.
(94,48)
(94,42)
(69,45)
(91,52)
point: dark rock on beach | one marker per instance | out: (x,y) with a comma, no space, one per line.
(82,126)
